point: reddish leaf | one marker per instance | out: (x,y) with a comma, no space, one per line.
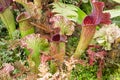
(45,58)
(91,55)
(4,4)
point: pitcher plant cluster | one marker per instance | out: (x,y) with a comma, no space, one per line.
(44,40)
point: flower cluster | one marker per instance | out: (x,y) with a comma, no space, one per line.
(107,35)
(60,74)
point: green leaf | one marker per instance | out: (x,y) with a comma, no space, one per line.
(7,18)
(53,67)
(35,43)
(118,1)
(85,1)
(69,11)
(116,20)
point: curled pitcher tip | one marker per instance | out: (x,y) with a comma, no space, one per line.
(97,16)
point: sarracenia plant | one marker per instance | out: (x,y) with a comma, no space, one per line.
(89,26)
(66,28)
(33,8)
(7,16)
(36,45)
(24,24)
(62,28)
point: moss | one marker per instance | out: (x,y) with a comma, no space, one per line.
(84,73)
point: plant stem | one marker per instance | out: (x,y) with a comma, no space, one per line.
(58,53)
(62,48)
(36,59)
(8,19)
(85,38)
